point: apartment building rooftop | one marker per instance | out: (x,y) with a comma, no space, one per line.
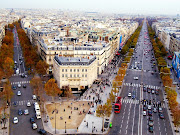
(74,60)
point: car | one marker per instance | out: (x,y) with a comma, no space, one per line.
(19,93)
(129,94)
(152,91)
(144,113)
(150,118)
(133,96)
(26,112)
(14,103)
(144,89)
(170,57)
(15,120)
(24,86)
(14,87)
(160,110)
(135,78)
(19,85)
(20,112)
(154,110)
(42,131)
(15,62)
(32,120)
(151,123)
(151,129)
(157,92)
(34,126)
(149,90)
(22,75)
(144,108)
(28,104)
(149,107)
(26,76)
(161,116)
(149,112)
(34,97)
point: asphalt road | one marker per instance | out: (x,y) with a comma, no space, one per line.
(130,120)
(23,127)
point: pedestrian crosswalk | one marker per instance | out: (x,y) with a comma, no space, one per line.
(139,85)
(21,82)
(131,101)
(24,102)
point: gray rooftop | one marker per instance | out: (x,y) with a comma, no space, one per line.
(74,60)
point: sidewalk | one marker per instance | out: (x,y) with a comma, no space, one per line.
(5,131)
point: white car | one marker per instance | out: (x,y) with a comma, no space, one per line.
(34,97)
(15,120)
(149,107)
(19,85)
(136,78)
(129,94)
(26,112)
(34,126)
(144,113)
(19,93)
(28,104)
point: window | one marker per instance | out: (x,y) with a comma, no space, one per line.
(70,70)
(74,75)
(70,75)
(66,70)
(66,75)
(77,75)
(82,75)
(85,75)
(77,70)
(62,75)
(85,70)
(62,70)
(74,70)
(82,70)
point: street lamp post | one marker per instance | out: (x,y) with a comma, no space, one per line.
(56,111)
(65,126)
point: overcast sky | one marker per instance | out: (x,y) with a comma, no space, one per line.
(108,6)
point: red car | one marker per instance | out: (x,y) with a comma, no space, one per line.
(170,57)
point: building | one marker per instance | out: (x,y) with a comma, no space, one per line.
(174,44)
(176,64)
(75,72)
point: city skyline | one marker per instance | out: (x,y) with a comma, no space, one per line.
(167,7)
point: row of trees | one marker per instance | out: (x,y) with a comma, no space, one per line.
(131,42)
(160,52)
(32,60)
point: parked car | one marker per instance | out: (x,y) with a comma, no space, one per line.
(151,129)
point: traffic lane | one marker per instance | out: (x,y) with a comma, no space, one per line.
(23,126)
(124,119)
(167,122)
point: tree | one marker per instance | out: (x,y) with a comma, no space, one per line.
(52,89)
(7,92)
(8,67)
(176,116)
(104,110)
(41,67)
(11,26)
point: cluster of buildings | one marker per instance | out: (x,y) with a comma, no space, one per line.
(7,16)
(76,45)
(168,31)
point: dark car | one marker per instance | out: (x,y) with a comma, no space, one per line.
(22,75)
(144,108)
(150,118)
(20,112)
(15,103)
(42,131)
(149,112)
(149,90)
(24,86)
(157,92)
(32,120)
(14,87)
(151,129)
(144,89)
(161,116)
